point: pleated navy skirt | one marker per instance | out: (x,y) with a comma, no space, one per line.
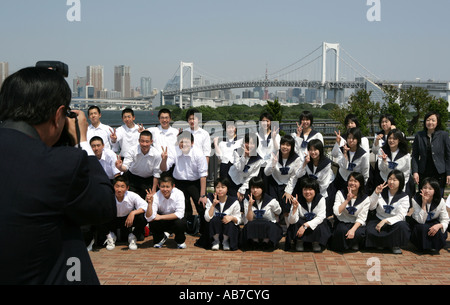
(339,242)
(421,239)
(396,235)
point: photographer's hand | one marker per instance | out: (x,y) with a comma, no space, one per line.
(82,123)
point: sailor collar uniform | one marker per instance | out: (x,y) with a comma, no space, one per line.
(392,208)
(301,142)
(434,212)
(355,162)
(268,208)
(282,173)
(356,210)
(400,161)
(243,169)
(313,212)
(230,207)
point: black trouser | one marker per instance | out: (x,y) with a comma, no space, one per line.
(119,223)
(139,184)
(191,189)
(175,226)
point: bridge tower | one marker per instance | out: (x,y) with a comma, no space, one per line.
(191,68)
(325,47)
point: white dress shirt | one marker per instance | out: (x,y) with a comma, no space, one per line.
(163,137)
(126,138)
(163,206)
(190,167)
(103,131)
(131,201)
(108,162)
(141,165)
(202,140)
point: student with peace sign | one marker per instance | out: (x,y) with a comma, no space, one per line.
(223,213)
(388,228)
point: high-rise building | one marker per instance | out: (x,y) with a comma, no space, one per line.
(122,80)
(4,71)
(94,76)
(146,86)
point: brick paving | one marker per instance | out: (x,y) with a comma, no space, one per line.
(197,266)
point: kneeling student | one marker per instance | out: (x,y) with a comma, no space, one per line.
(165,213)
(130,214)
(223,213)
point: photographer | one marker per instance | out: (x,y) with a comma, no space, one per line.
(47,192)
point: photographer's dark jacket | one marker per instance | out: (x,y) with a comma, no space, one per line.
(46,194)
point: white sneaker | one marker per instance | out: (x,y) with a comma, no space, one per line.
(132,242)
(215,245)
(226,245)
(181,246)
(110,241)
(161,243)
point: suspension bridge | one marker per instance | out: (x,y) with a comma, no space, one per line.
(327,68)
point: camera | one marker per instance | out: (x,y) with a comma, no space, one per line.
(57,66)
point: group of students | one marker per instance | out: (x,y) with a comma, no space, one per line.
(271,186)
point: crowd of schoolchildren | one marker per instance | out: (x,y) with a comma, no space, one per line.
(273,186)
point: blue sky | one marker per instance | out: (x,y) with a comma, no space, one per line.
(233,39)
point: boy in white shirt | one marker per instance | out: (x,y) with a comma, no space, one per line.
(165,213)
(164,135)
(130,214)
(105,156)
(97,128)
(127,135)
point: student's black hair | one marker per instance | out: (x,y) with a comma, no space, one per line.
(121,178)
(164,110)
(434,183)
(356,133)
(310,183)
(290,141)
(166,177)
(400,177)
(146,133)
(266,115)
(351,117)
(403,144)
(360,178)
(224,181)
(184,134)
(33,95)
(94,107)
(96,138)
(387,116)
(306,115)
(317,144)
(191,111)
(257,182)
(128,110)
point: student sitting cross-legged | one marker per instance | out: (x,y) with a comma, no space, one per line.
(165,213)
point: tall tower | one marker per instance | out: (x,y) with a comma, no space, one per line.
(328,46)
(94,75)
(4,71)
(122,80)
(266,90)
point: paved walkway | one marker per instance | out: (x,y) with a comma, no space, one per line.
(197,266)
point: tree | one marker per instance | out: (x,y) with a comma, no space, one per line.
(418,99)
(365,109)
(393,108)
(439,105)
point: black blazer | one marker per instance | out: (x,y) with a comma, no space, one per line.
(46,194)
(440,147)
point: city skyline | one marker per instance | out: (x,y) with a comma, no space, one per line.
(232,39)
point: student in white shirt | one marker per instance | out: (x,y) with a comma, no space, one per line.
(164,135)
(130,214)
(388,228)
(279,171)
(223,213)
(190,172)
(386,123)
(127,135)
(141,165)
(394,154)
(106,157)
(261,229)
(165,213)
(224,149)
(246,165)
(202,139)
(97,128)
(351,208)
(429,221)
(308,219)
(305,133)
